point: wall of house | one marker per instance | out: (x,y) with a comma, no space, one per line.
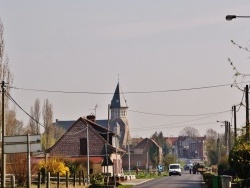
(69,144)
(117,163)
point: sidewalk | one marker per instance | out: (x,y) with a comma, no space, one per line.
(135,181)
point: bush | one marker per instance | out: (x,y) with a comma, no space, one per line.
(207,176)
(97,179)
(223,165)
(54,166)
(239,159)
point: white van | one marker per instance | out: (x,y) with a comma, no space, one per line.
(174,169)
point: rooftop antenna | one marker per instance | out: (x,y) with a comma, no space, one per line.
(95,108)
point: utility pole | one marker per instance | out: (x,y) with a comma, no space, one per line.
(229,136)
(129,160)
(247,114)
(87,154)
(235,124)
(226,137)
(218,148)
(3,135)
(108,124)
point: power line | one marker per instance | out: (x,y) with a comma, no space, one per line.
(167,126)
(11,99)
(176,115)
(128,92)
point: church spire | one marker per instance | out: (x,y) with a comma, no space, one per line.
(118,100)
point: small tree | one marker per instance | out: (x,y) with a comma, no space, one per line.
(168,159)
(211,146)
(77,164)
(239,159)
(154,154)
(54,165)
(17,165)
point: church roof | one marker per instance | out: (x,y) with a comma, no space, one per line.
(118,100)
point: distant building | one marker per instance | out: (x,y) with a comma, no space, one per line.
(187,147)
(139,156)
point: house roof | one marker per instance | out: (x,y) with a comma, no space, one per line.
(136,140)
(101,131)
(145,143)
(66,124)
(171,140)
(118,100)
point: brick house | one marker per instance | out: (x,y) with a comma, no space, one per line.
(139,155)
(74,142)
(188,147)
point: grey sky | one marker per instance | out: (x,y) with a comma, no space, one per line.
(152,45)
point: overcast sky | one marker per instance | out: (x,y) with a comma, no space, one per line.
(82,46)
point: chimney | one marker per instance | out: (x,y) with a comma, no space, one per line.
(91,117)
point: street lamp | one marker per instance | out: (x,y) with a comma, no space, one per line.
(230,17)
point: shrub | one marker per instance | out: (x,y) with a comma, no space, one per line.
(207,176)
(239,159)
(223,165)
(54,166)
(97,180)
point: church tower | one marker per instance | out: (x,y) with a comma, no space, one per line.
(119,117)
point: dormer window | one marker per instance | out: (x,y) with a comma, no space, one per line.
(117,101)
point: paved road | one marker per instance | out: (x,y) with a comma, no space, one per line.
(186,180)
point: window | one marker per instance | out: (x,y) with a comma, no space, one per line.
(83,146)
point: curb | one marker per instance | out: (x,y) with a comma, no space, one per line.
(136,182)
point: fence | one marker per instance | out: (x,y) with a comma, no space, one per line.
(58,180)
(46,180)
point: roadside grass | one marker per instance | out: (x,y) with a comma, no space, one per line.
(150,175)
(125,186)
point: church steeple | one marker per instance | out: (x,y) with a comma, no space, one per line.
(119,116)
(118,100)
(118,104)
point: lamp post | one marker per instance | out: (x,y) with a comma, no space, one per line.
(230,17)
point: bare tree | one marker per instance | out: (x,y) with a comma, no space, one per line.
(189,131)
(239,77)
(58,132)
(5,73)
(32,123)
(35,114)
(211,146)
(15,127)
(48,124)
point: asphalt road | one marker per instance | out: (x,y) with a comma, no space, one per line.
(186,180)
